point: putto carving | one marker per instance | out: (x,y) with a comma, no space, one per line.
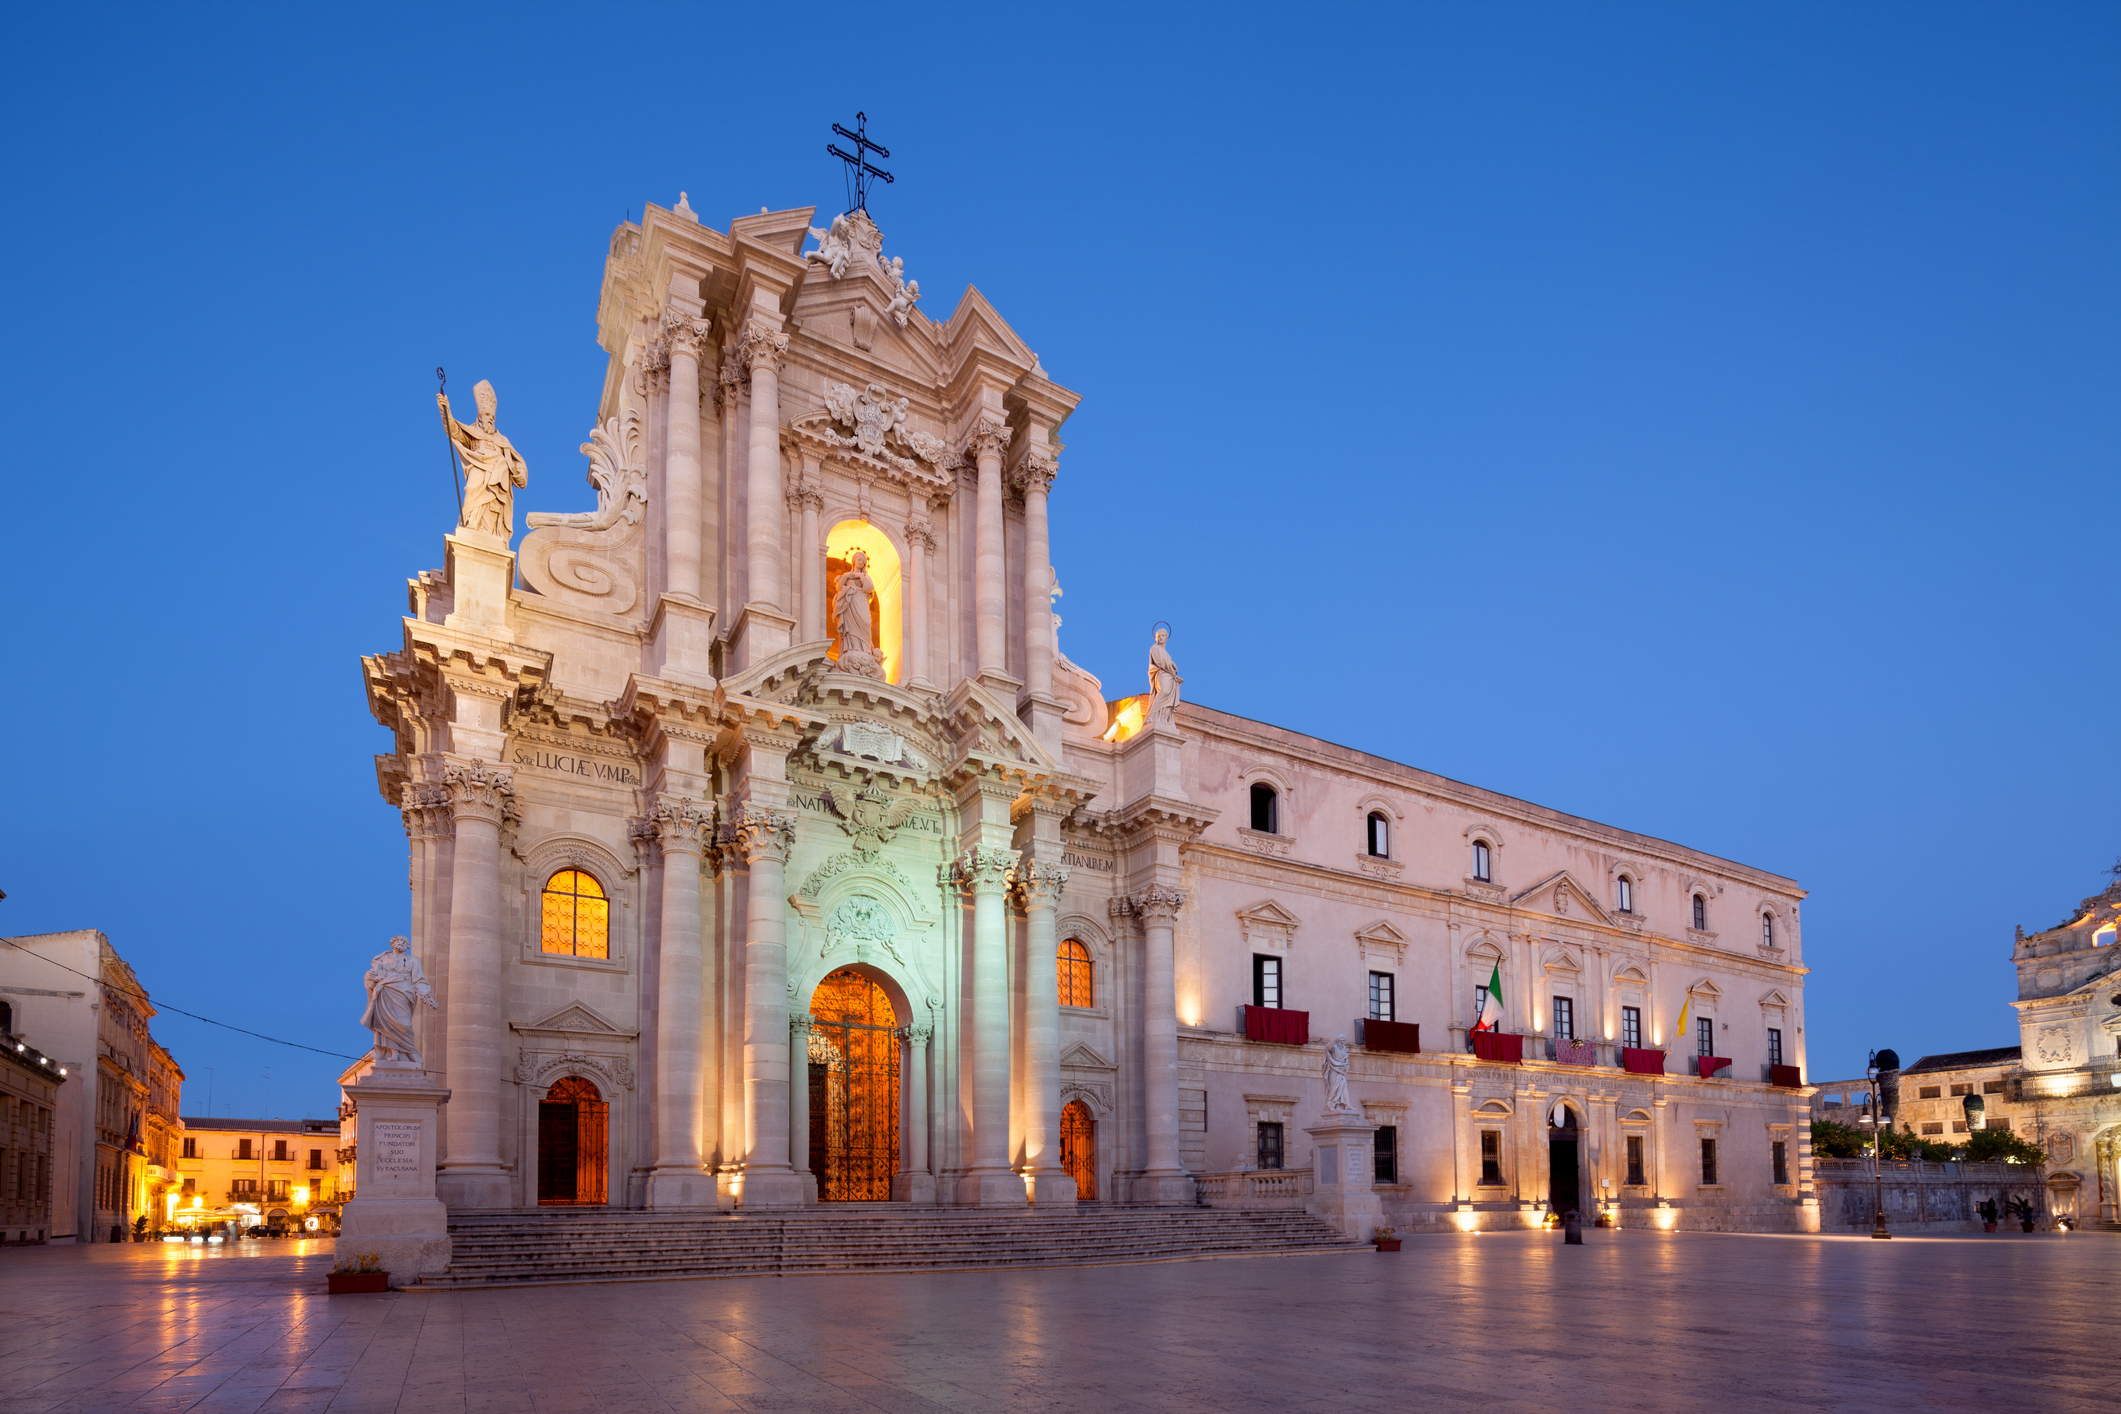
(761,346)
(983,870)
(905,293)
(765,836)
(1037,883)
(875,421)
(493,470)
(1159,906)
(851,595)
(834,248)
(479,791)
(682,826)
(870,815)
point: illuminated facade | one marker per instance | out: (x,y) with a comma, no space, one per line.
(2066,1088)
(759,807)
(254,1172)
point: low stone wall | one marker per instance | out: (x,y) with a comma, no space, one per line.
(1921,1197)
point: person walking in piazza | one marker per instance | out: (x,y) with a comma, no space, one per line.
(493,469)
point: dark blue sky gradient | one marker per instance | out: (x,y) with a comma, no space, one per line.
(1699,418)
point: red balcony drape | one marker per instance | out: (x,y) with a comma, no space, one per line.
(1401,1036)
(1278,1024)
(1498,1046)
(1641,1062)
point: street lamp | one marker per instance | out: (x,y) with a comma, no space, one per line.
(1882,1064)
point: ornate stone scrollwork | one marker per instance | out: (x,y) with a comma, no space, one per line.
(921,531)
(765,836)
(870,815)
(983,870)
(988,438)
(761,346)
(1159,906)
(919,1035)
(684,333)
(1037,883)
(799,1023)
(1035,472)
(862,922)
(425,810)
(682,825)
(479,791)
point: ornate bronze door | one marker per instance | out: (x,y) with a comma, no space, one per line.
(572,1123)
(1079,1149)
(854,1080)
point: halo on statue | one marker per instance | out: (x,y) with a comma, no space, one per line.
(1164,624)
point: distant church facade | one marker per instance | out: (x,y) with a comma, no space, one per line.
(766,849)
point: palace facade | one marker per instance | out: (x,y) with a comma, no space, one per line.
(766,850)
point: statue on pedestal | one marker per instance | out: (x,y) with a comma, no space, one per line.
(850,615)
(493,470)
(395,984)
(1163,684)
(1336,1072)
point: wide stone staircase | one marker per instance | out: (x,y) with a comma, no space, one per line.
(519,1248)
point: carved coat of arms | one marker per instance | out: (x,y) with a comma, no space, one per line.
(870,815)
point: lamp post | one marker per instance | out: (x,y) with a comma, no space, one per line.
(1882,1064)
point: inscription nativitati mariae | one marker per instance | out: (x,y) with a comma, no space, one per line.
(809,800)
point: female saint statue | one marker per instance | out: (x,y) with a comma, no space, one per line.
(851,594)
(395,982)
(1336,1071)
(493,470)
(1163,684)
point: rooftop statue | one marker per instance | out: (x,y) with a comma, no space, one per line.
(493,470)
(1163,683)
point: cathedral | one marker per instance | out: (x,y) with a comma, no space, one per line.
(767,851)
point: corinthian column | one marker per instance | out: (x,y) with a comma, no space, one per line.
(920,544)
(983,873)
(1035,477)
(989,594)
(799,1026)
(768,625)
(683,336)
(470,1174)
(807,500)
(679,1178)
(1163,1181)
(913,1183)
(1038,887)
(769,1180)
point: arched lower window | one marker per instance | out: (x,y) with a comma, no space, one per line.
(1380,835)
(1483,862)
(1265,808)
(1701,914)
(1767,930)
(1075,986)
(577,916)
(1627,894)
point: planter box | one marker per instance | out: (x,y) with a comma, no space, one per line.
(1388,1244)
(355,1283)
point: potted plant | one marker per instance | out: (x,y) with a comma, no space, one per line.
(2023,1212)
(1989,1214)
(360,1273)
(1386,1238)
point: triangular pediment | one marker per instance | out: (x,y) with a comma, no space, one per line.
(1267,922)
(1081,1057)
(1563,895)
(983,728)
(976,322)
(1706,988)
(1381,934)
(574,1019)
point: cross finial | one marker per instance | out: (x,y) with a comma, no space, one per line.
(859,171)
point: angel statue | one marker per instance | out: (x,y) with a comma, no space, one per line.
(833,247)
(395,982)
(902,301)
(851,594)
(1163,684)
(1336,1072)
(493,469)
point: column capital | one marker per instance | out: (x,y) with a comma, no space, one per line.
(920,531)
(765,836)
(479,790)
(989,437)
(424,807)
(981,870)
(804,493)
(684,333)
(1034,472)
(799,1023)
(919,1035)
(1159,906)
(761,346)
(1038,884)
(682,825)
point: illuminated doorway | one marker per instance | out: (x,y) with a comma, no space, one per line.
(1564,1176)
(573,1121)
(854,1078)
(1079,1149)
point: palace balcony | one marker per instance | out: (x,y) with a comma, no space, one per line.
(1399,1037)
(1712,1067)
(1641,1061)
(1498,1046)
(1788,1076)
(1277,1024)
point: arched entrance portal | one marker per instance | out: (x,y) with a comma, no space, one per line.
(1079,1149)
(1564,1183)
(853,1089)
(572,1123)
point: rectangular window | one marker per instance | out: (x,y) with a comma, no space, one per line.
(1782,1161)
(191,1148)
(1565,1018)
(191,1185)
(1480,1002)
(1483,868)
(1491,1157)
(242,1148)
(1958,1126)
(1998,1122)
(1991,1087)
(245,1185)
(1269,1145)
(1266,981)
(1386,1145)
(1708,1163)
(1929,1092)
(316,1158)
(1958,1090)
(1704,1036)
(1263,811)
(1934,1127)
(1381,996)
(1635,1178)
(1774,1045)
(278,1188)
(279,1150)
(1631,1027)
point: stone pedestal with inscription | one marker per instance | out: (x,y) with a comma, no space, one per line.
(1343,1170)
(394,1212)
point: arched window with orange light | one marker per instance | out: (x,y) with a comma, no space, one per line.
(576,916)
(1075,980)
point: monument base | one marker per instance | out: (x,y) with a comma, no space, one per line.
(395,1212)
(1343,1172)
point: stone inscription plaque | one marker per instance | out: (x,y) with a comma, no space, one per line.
(1329,1163)
(396,1147)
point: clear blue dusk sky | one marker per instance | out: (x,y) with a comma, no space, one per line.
(1701,418)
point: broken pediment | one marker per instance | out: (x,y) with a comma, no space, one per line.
(574,1019)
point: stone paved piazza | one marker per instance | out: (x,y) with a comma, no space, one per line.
(1633,1320)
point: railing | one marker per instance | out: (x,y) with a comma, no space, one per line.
(1276,1024)
(1565,1050)
(1254,1188)
(1707,1067)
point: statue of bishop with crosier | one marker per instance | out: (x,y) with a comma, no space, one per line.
(493,469)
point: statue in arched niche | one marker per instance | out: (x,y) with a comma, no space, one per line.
(851,596)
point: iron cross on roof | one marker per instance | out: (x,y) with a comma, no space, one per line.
(858,168)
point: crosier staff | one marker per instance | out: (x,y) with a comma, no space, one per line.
(456,477)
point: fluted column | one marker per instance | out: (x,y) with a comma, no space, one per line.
(913,1183)
(679,1178)
(1038,888)
(1035,477)
(799,1026)
(920,544)
(1163,1181)
(761,349)
(983,874)
(470,1174)
(683,337)
(990,594)
(766,836)
(807,500)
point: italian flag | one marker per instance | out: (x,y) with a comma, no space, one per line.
(1491,1005)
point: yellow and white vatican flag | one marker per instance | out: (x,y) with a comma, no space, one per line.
(1679,1031)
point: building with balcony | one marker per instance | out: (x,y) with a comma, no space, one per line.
(275,1173)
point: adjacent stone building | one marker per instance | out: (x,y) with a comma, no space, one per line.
(30,1082)
(767,850)
(256,1172)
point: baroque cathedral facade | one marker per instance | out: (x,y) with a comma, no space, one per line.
(767,851)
